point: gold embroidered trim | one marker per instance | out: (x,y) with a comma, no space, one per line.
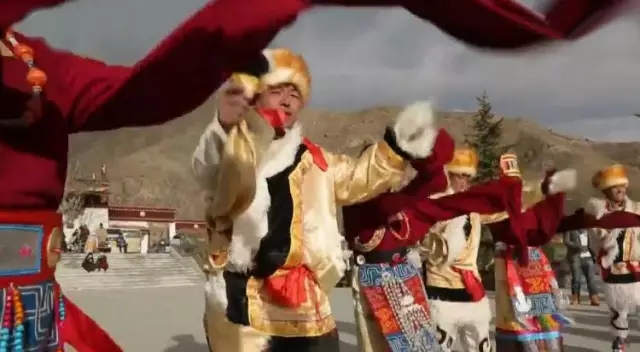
(373,242)
(405,225)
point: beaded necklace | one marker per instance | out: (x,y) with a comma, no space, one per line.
(36,78)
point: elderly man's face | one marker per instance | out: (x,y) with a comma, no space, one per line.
(616,194)
(284,97)
(459,182)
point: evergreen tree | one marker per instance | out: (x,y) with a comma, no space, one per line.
(485,139)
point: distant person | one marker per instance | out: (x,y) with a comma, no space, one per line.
(122,243)
(92,242)
(581,262)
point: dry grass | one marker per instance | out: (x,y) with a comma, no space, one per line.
(151,167)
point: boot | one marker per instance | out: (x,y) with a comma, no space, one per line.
(618,345)
(595,300)
(575,299)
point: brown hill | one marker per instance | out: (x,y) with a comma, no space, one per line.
(151,167)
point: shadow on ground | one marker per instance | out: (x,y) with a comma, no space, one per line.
(187,343)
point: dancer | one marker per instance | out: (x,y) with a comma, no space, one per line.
(390,302)
(618,255)
(528,298)
(273,231)
(453,282)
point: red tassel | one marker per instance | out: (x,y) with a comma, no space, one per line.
(289,290)
(472,284)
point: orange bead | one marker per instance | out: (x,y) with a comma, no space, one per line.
(36,77)
(24,52)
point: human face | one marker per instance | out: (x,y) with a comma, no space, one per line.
(616,194)
(284,97)
(459,182)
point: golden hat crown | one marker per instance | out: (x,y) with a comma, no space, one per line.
(509,165)
(465,161)
(611,176)
(282,66)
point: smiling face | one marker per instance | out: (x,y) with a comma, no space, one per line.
(285,97)
(616,194)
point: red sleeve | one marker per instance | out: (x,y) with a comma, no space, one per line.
(512,26)
(176,77)
(539,223)
(614,220)
(431,177)
(487,198)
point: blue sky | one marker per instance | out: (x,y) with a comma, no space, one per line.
(365,57)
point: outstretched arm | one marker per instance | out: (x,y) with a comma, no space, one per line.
(540,222)
(430,179)
(382,166)
(487,198)
(175,78)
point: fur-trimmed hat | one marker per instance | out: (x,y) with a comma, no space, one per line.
(464,162)
(276,66)
(612,176)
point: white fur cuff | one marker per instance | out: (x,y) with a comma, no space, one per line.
(414,129)
(595,207)
(455,238)
(563,181)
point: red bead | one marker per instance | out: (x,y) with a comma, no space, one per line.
(36,77)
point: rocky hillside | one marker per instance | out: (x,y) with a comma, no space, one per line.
(151,167)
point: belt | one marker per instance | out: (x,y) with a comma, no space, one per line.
(30,243)
(381,257)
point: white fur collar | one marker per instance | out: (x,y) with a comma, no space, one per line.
(281,152)
(252,225)
(599,207)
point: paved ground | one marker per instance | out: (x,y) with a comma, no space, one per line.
(169,319)
(154,303)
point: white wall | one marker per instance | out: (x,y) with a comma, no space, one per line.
(172,230)
(126,224)
(92,217)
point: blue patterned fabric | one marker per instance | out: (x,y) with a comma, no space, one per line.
(41,334)
(406,280)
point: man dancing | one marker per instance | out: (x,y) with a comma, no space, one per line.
(274,239)
(47,94)
(528,298)
(619,256)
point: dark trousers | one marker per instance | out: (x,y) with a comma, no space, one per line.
(325,343)
(580,267)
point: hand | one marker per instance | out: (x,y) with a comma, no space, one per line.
(232,105)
